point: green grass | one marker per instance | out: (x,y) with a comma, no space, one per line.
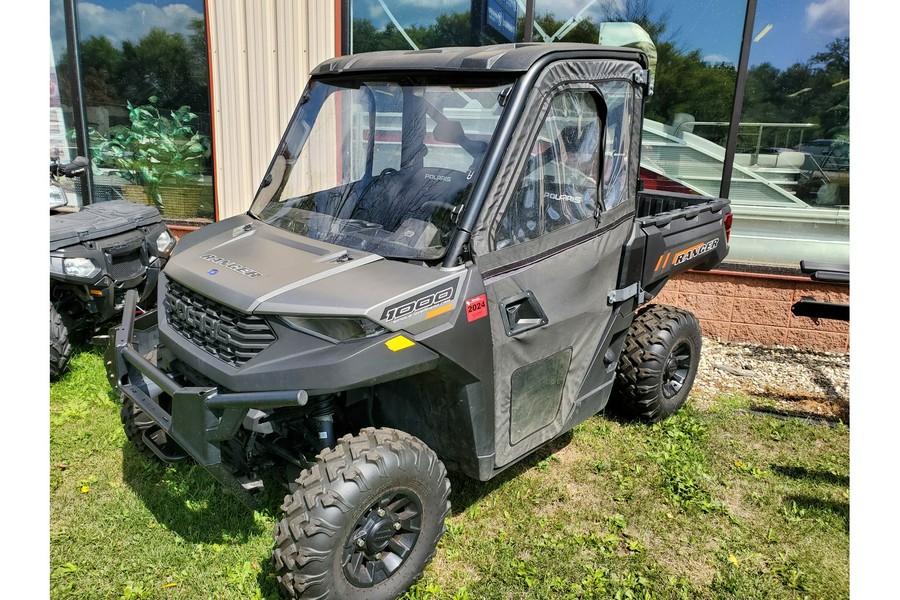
(713,503)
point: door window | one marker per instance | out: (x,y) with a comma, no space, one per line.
(560,180)
(618,98)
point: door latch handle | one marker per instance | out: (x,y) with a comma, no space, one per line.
(521,313)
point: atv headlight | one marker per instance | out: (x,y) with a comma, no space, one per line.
(336,329)
(80,267)
(165,242)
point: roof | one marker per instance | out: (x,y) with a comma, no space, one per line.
(502,57)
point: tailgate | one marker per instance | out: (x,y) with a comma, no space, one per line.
(674,233)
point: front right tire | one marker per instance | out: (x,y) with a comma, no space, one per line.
(365,520)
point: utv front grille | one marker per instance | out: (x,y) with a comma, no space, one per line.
(231,336)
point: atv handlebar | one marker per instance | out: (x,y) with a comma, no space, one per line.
(73,169)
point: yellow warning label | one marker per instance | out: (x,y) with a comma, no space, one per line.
(399,343)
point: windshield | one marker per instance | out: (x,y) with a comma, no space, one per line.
(383,165)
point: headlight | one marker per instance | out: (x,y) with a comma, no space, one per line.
(165,242)
(80,267)
(336,329)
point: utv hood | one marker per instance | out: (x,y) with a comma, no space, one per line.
(257,268)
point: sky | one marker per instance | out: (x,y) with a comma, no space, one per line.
(799,29)
(120,20)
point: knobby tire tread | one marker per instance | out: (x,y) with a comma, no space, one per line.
(653,334)
(60,346)
(305,543)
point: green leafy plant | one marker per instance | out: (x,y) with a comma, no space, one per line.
(155,149)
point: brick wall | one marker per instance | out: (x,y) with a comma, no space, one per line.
(741,307)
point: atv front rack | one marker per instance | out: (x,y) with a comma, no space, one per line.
(201,417)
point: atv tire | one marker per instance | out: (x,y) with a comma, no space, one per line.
(658,363)
(136,423)
(60,346)
(365,520)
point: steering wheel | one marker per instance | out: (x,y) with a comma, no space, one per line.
(387,171)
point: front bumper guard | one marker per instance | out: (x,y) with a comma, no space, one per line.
(201,417)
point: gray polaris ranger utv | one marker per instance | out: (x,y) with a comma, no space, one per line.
(448,263)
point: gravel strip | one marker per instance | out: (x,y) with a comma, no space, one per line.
(787,381)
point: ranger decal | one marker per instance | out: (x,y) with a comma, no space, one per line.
(236,267)
(685,255)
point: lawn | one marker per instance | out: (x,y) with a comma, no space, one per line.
(719,501)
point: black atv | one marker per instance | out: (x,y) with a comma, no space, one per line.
(97,254)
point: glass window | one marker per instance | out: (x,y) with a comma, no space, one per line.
(790,182)
(146,86)
(416,24)
(790,186)
(560,180)
(407,157)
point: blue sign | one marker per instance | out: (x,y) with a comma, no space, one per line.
(501,15)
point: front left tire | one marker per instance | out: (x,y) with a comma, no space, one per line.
(365,520)
(60,346)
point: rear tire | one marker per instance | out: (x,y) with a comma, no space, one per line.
(659,362)
(60,347)
(365,520)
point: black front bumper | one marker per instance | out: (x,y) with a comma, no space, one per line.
(201,417)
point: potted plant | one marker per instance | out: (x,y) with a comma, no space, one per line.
(165,155)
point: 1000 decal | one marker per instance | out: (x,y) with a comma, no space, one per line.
(426,301)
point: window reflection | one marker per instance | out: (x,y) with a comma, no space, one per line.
(145,80)
(409,25)
(791,181)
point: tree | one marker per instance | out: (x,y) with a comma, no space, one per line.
(160,65)
(100,63)
(813,91)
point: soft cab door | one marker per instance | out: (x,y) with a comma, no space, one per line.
(549,246)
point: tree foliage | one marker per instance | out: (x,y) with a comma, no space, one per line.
(162,64)
(815,91)
(685,82)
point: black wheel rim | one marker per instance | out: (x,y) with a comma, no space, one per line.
(678,365)
(383,538)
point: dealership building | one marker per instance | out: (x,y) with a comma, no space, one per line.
(751,102)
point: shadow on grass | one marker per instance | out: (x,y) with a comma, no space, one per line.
(813,505)
(618,413)
(811,475)
(466,491)
(189,501)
